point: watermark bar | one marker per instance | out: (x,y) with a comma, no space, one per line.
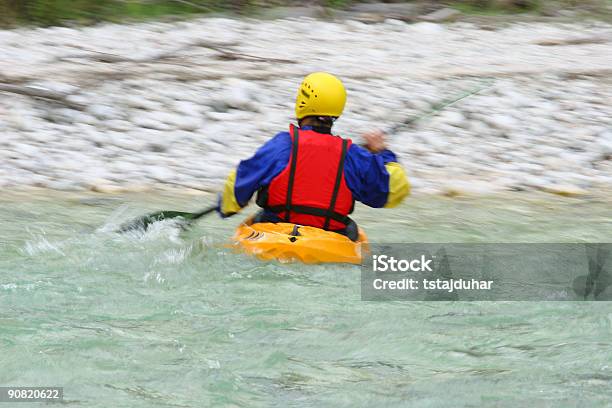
(487,272)
(31,394)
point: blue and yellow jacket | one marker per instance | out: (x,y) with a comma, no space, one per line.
(376,180)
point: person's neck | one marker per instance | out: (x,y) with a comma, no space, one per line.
(316,126)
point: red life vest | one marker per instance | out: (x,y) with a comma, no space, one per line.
(311,190)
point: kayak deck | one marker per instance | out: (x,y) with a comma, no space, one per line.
(288,242)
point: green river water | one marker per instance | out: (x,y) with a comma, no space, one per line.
(170,319)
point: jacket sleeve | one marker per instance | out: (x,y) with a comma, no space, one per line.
(377,180)
(253,173)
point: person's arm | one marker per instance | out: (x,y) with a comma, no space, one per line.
(374,175)
(254,173)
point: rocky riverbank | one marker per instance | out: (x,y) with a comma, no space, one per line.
(130,107)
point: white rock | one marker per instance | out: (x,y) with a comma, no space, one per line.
(63,185)
(54,86)
(125,167)
(517,100)
(173,120)
(104,112)
(189,123)
(140,102)
(27,164)
(26,150)
(186,108)
(442,15)
(79,99)
(161,173)
(118,125)
(237,95)
(104,186)
(131,144)
(567,190)
(395,23)
(425,28)
(532,181)
(356,25)
(454,188)
(26,123)
(149,120)
(500,121)
(454,119)
(73,116)
(604,142)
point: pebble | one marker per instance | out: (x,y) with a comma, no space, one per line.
(105,187)
(500,121)
(173,124)
(140,102)
(235,97)
(566,190)
(72,116)
(426,28)
(149,120)
(442,15)
(454,119)
(187,108)
(160,173)
(604,142)
(26,150)
(118,125)
(189,123)
(104,112)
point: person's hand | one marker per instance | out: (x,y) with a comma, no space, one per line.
(375,141)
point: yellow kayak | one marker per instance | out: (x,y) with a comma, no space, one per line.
(287,242)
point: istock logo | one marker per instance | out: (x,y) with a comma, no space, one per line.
(385,263)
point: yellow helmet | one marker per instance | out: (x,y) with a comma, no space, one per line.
(321,94)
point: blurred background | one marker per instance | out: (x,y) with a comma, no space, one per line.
(51,12)
(124,95)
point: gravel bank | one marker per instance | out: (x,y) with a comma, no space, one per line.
(139,106)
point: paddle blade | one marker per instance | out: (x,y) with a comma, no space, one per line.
(142,223)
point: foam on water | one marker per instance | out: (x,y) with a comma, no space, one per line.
(40,245)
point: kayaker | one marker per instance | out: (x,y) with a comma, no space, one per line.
(308,176)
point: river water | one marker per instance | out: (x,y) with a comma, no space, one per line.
(175,319)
